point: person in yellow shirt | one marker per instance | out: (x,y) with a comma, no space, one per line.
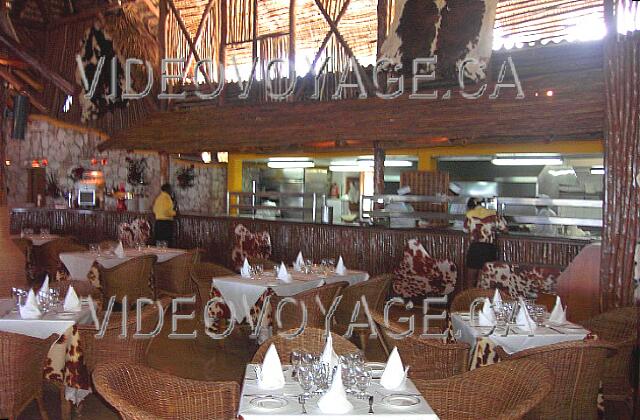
(164,210)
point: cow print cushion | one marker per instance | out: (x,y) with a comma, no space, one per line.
(519,280)
(136,232)
(419,275)
(250,245)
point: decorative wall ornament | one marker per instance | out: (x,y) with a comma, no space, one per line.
(186,177)
(53,188)
(454,30)
(96,44)
(136,169)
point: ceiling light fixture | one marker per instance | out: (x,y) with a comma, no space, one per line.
(289,159)
(347,168)
(290,164)
(223,157)
(206,157)
(549,161)
(597,170)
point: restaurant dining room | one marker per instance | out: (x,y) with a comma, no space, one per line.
(323,209)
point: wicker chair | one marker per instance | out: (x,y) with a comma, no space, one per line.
(132,278)
(22,360)
(26,246)
(312,340)
(462,301)
(47,256)
(291,316)
(577,367)
(375,292)
(429,359)
(141,393)
(112,347)
(619,328)
(82,288)
(503,391)
(175,276)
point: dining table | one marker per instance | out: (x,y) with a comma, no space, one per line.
(484,339)
(399,404)
(65,362)
(37,239)
(250,293)
(79,264)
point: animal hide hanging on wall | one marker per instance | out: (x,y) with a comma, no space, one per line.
(452,30)
(96,44)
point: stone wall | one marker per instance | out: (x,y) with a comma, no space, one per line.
(66,148)
(209,192)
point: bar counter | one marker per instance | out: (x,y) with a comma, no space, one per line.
(373,249)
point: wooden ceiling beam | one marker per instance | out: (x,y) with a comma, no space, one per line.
(184,29)
(155,10)
(19,86)
(37,86)
(19,64)
(60,82)
(327,37)
(205,16)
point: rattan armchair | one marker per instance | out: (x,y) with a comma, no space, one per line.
(132,278)
(312,340)
(429,359)
(22,360)
(620,328)
(112,347)
(175,276)
(47,256)
(577,367)
(462,301)
(141,393)
(503,391)
(291,315)
(374,291)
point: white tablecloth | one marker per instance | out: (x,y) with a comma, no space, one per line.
(79,263)
(234,288)
(50,323)
(293,410)
(37,240)
(517,340)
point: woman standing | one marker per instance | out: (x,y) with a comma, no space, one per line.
(164,210)
(481,224)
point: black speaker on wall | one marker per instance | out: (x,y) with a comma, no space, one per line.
(20,113)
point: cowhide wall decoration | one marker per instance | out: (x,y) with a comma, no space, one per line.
(454,30)
(97,43)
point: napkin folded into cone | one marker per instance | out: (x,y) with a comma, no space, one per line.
(394,373)
(245,270)
(341,270)
(30,309)
(558,314)
(329,356)
(335,401)
(486,317)
(71,301)
(270,375)
(299,262)
(497,299)
(524,320)
(282,274)
(45,285)
(119,250)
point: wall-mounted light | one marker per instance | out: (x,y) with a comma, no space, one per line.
(7,162)
(223,157)
(549,93)
(206,157)
(67,104)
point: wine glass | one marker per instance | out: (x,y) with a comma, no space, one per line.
(305,379)
(296,358)
(363,380)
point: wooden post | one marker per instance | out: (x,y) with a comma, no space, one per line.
(165,176)
(383,7)
(223,45)
(3,150)
(378,169)
(162,24)
(292,40)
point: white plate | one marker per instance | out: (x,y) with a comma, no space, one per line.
(401,400)
(270,402)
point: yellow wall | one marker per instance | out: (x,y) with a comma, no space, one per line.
(427,156)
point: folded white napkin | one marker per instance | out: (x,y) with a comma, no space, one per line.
(299,262)
(486,317)
(559,314)
(30,309)
(524,320)
(245,270)
(497,299)
(45,285)
(335,401)
(282,274)
(329,356)
(71,301)
(341,270)
(394,373)
(270,374)
(119,250)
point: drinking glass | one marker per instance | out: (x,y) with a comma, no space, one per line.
(162,245)
(93,248)
(44,232)
(296,358)
(349,379)
(305,379)
(258,270)
(307,359)
(363,380)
